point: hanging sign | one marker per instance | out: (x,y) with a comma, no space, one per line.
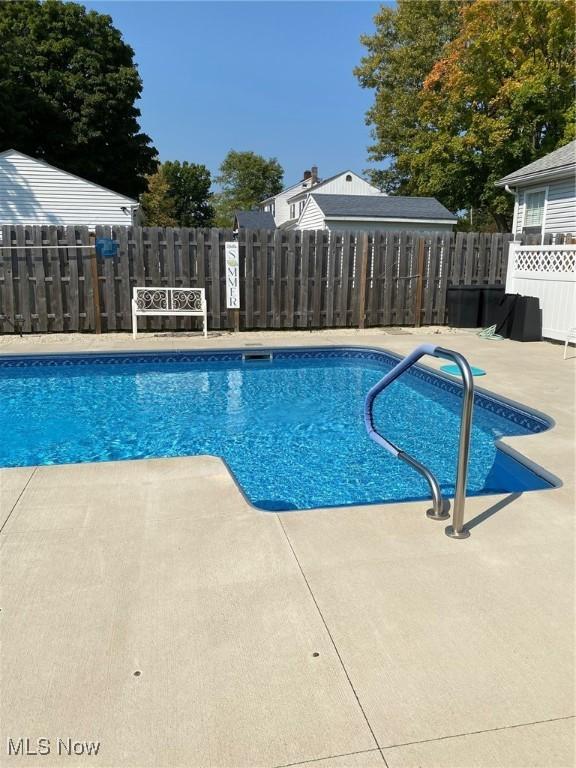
(232,275)
(106,247)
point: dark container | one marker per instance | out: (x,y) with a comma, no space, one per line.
(464,306)
(505,314)
(490,300)
(527,319)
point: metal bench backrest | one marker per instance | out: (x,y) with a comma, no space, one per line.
(168,301)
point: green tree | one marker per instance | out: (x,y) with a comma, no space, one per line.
(189,185)
(245,179)
(158,205)
(407,42)
(498,95)
(68,87)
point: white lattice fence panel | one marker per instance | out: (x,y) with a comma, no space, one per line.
(556,259)
(547,272)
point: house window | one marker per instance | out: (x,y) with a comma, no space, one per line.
(293,211)
(534,203)
(301,206)
(348,177)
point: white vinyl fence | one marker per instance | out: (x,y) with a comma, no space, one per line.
(549,273)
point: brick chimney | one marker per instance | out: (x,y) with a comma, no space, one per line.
(314,174)
(307,175)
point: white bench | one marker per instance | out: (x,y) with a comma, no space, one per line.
(176,302)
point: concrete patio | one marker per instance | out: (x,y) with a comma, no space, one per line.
(147,606)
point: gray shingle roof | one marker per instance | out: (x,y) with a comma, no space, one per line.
(290,224)
(565,157)
(382,207)
(255,220)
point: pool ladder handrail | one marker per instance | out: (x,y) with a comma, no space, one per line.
(439,511)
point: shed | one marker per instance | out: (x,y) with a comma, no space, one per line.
(254,220)
(35,192)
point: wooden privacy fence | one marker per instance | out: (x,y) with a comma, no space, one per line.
(52,281)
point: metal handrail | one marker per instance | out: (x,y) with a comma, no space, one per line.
(438,512)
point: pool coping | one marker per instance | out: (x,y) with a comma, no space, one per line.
(430,375)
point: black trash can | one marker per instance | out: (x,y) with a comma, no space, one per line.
(490,300)
(463,303)
(527,320)
(505,314)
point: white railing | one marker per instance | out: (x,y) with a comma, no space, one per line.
(183,302)
(547,272)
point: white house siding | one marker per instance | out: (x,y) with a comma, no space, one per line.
(387,226)
(281,211)
(312,217)
(339,186)
(560,210)
(33,192)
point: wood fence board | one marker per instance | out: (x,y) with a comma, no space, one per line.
(7,305)
(343,310)
(403,277)
(304,281)
(73,282)
(290,320)
(170,253)
(154,269)
(21,278)
(430,278)
(124,283)
(263,263)
(249,284)
(275,279)
(39,272)
(57,303)
(444,261)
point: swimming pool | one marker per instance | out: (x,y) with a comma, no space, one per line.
(288,422)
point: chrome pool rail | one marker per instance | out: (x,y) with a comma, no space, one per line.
(438,512)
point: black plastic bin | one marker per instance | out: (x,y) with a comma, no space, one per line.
(463,303)
(520,318)
(505,314)
(527,320)
(490,300)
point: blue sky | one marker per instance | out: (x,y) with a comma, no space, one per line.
(271,77)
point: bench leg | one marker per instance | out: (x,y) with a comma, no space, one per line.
(205,323)
(134,324)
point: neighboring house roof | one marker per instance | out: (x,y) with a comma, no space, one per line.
(561,162)
(255,220)
(382,207)
(290,224)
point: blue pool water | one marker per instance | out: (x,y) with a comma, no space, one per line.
(291,430)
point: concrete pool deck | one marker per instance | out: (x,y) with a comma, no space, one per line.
(146,606)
